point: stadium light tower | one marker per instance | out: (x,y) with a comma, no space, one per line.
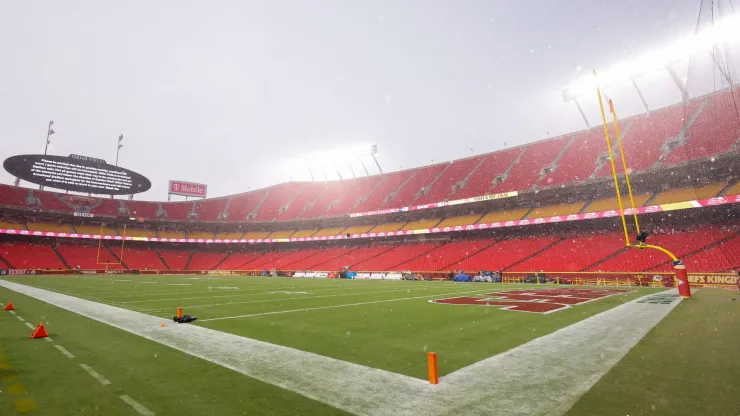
(725,31)
(120,145)
(49,132)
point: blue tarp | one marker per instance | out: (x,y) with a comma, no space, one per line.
(462,278)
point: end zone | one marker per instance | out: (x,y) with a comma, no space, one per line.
(533,301)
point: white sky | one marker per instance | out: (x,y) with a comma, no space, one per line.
(224,93)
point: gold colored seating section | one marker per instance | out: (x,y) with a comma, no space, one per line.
(303,233)
(94,229)
(136,232)
(499,216)
(609,204)
(734,189)
(200,234)
(11,225)
(384,228)
(358,229)
(235,235)
(461,220)
(555,210)
(254,235)
(421,224)
(688,194)
(171,234)
(326,232)
(281,234)
(48,227)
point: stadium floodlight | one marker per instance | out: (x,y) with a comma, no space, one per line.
(333,158)
(724,31)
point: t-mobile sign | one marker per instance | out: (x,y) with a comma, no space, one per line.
(188,189)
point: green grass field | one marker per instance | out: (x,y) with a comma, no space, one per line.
(380,324)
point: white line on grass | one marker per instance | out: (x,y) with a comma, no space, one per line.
(48,339)
(94,374)
(20,318)
(121,280)
(64,351)
(148,310)
(29,325)
(179,284)
(12,312)
(338,306)
(137,406)
(575,357)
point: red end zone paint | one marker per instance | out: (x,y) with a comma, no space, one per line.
(536,301)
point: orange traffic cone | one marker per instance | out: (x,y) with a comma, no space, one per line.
(179,312)
(40,332)
(9,307)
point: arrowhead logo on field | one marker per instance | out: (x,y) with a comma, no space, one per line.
(535,301)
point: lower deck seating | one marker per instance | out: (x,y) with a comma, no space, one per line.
(445,255)
(86,257)
(175,259)
(205,235)
(26,256)
(255,235)
(234,261)
(394,257)
(503,254)
(205,261)
(680,244)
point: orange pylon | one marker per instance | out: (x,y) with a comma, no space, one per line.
(9,307)
(179,312)
(40,332)
(432,365)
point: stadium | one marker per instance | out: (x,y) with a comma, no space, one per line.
(568,275)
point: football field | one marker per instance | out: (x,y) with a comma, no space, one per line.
(315,346)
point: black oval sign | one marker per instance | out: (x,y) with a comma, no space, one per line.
(78,174)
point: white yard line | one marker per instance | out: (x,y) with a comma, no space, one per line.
(20,318)
(64,351)
(12,312)
(122,280)
(150,310)
(94,374)
(48,339)
(338,306)
(29,325)
(575,357)
(137,406)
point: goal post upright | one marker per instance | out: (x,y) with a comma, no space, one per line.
(682,281)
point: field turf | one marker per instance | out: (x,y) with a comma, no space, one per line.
(380,324)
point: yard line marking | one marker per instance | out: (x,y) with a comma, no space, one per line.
(137,406)
(129,280)
(20,318)
(334,306)
(29,325)
(179,284)
(146,282)
(148,310)
(12,312)
(102,380)
(47,339)
(64,351)
(491,386)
